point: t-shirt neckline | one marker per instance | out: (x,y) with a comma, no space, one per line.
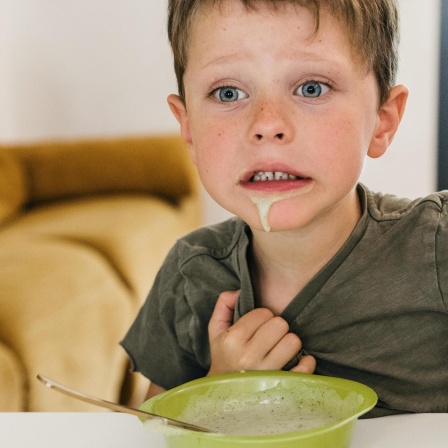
(246,301)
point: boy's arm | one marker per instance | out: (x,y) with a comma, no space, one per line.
(258,341)
(154,390)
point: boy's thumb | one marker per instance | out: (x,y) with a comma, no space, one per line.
(222,317)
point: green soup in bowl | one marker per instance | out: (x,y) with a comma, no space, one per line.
(263,408)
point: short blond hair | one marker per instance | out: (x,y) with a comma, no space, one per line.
(373,26)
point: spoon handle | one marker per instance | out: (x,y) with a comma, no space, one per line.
(115,406)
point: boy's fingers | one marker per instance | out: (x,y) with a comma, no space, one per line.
(284,350)
(267,330)
(259,339)
(222,317)
(307,364)
(251,327)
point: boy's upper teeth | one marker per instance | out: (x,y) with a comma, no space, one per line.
(273,175)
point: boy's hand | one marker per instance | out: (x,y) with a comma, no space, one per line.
(258,341)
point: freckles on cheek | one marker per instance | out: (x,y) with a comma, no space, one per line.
(210,130)
(218,135)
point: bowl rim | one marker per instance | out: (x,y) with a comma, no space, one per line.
(369,395)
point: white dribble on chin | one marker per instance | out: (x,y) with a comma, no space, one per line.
(263,206)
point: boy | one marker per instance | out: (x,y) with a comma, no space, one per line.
(279,103)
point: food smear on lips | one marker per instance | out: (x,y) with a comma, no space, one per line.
(264,199)
(273,411)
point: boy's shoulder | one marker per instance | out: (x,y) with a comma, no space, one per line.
(217,241)
(387,207)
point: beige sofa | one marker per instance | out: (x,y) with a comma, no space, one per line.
(84,227)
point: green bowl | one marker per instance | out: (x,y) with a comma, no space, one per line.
(345,399)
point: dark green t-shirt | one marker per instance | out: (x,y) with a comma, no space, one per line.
(377,313)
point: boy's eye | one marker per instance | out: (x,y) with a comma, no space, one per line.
(312,89)
(229,94)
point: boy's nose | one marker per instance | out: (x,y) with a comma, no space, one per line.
(272,122)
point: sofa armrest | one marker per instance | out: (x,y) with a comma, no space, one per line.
(12,186)
(158,165)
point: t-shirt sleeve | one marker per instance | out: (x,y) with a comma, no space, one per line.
(159,341)
(442,250)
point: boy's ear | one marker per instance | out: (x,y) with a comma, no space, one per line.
(179,110)
(389,117)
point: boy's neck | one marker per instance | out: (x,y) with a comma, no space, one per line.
(282,263)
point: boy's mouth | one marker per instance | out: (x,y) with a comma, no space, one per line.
(263,176)
(274,181)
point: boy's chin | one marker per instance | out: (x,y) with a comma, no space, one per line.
(274,225)
(281,216)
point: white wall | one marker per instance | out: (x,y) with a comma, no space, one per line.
(409,167)
(75,68)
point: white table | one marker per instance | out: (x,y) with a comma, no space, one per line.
(111,430)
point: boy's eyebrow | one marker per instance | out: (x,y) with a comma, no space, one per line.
(224,59)
(304,57)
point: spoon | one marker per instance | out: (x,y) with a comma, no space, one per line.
(117,407)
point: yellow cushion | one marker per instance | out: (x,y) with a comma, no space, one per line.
(134,233)
(12,381)
(63,311)
(73,277)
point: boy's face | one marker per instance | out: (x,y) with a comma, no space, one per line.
(264,95)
